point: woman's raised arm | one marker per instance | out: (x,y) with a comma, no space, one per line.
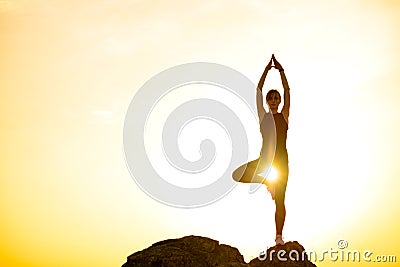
(259,98)
(286,90)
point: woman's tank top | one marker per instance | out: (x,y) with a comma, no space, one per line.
(281,128)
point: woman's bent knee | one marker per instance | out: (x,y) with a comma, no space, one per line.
(237,174)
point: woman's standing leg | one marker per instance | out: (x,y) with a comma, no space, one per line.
(280,191)
(280,211)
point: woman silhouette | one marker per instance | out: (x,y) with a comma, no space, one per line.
(251,171)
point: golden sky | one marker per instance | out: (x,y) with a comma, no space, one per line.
(69,69)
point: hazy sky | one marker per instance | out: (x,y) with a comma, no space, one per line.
(69,69)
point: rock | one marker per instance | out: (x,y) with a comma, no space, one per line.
(197,251)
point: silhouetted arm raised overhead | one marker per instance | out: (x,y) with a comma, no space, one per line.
(286,92)
(259,98)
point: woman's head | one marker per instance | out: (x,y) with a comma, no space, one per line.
(273,98)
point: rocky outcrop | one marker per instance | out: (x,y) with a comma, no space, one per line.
(197,251)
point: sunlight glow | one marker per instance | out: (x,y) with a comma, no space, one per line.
(271,175)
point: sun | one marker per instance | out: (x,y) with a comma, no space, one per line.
(270,174)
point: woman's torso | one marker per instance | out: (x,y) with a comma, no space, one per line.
(281,128)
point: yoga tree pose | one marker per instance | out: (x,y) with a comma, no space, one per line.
(251,171)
